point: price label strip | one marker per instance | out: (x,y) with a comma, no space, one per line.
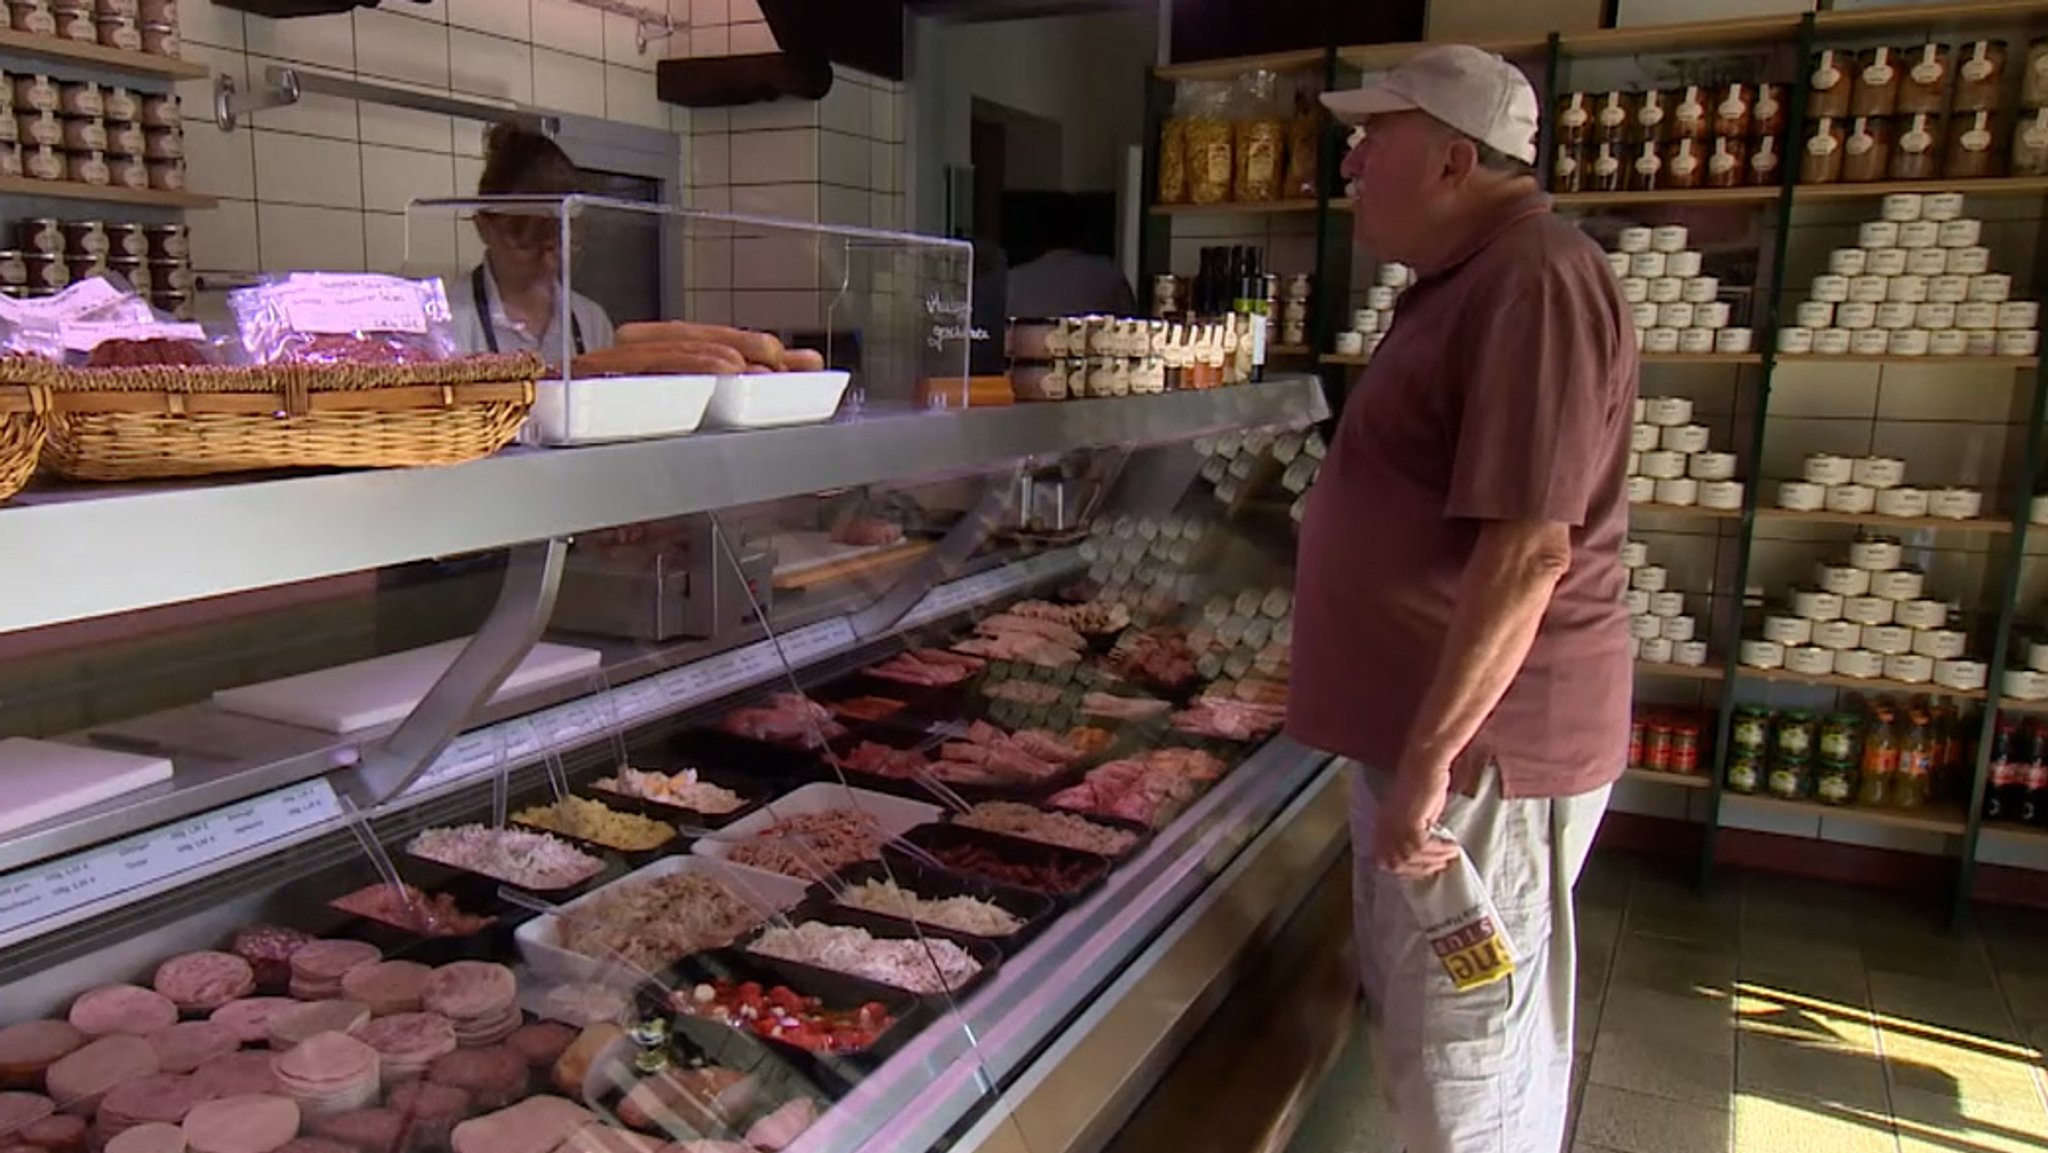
(53,888)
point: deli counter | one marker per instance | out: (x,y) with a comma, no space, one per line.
(909,781)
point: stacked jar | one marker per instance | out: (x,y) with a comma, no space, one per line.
(1369,324)
(1672,461)
(2030,130)
(1675,305)
(77,131)
(1668,740)
(1697,136)
(1867,615)
(51,254)
(1925,112)
(1882,754)
(149,26)
(1055,358)
(1661,631)
(1873,486)
(1920,283)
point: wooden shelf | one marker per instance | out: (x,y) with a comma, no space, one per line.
(1685,510)
(1676,196)
(1380,57)
(95,56)
(2012,829)
(1674,39)
(1990,186)
(2002,13)
(1702,358)
(1682,780)
(1947,819)
(2012,705)
(1235,66)
(2011,362)
(1358,361)
(1940,524)
(1711,671)
(1872,684)
(1253,208)
(1273,350)
(103,193)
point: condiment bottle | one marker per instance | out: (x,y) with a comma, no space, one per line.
(1568,170)
(1646,168)
(1765,161)
(1575,119)
(1732,111)
(1614,119)
(1767,114)
(1686,166)
(1607,170)
(1653,116)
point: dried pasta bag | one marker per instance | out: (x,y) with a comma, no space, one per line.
(1173,161)
(1304,154)
(1261,141)
(1212,145)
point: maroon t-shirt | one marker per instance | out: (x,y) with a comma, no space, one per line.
(1505,390)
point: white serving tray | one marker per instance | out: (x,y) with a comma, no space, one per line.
(611,408)
(385,689)
(896,815)
(774,399)
(539,939)
(41,780)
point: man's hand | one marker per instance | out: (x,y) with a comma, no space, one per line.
(1413,802)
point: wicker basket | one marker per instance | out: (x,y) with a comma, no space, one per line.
(158,422)
(24,404)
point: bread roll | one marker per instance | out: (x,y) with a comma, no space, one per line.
(672,357)
(756,347)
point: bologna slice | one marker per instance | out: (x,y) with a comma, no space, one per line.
(28,1048)
(80,1079)
(254,1124)
(118,1009)
(202,982)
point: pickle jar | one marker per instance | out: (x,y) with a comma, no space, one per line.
(1835,783)
(1791,780)
(1840,737)
(1751,732)
(1795,735)
(1745,772)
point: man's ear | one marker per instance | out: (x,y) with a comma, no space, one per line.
(1461,160)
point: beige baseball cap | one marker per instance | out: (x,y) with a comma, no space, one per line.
(1470,89)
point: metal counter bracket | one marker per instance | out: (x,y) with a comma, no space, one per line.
(938,565)
(525,602)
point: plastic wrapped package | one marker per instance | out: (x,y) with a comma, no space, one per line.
(1261,140)
(344,318)
(1211,144)
(1173,161)
(1304,136)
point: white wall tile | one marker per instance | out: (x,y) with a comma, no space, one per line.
(781,201)
(221,163)
(469,247)
(885,210)
(435,11)
(204,22)
(846,108)
(399,47)
(468,170)
(630,98)
(704,121)
(885,115)
(838,205)
(469,137)
(307,170)
(882,174)
(678,120)
(567,83)
(785,260)
(741,11)
(419,245)
(717,199)
(774,114)
(708,264)
(711,40)
(704,13)
(313,114)
(776,311)
(392,177)
(566,27)
(484,65)
(329,41)
(312,239)
(844,160)
(714,307)
(405,128)
(622,44)
(754,39)
(508,18)
(775,157)
(224,237)
(710,159)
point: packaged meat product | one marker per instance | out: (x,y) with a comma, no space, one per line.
(387,987)
(236,1074)
(1829,87)
(312,1018)
(529,860)
(202,982)
(1064,830)
(1866,150)
(807,844)
(1821,160)
(1925,86)
(29,1047)
(652,922)
(780,1129)
(1972,147)
(2030,144)
(1980,78)
(927,966)
(160,1098)
(427,914)
(1916,153)
(252,1124)
(344,318)
(583,819)
(1877,84)
(126,1009)
(692,1098)
(783,1014)
(930,668)
(318,966)
(789,719)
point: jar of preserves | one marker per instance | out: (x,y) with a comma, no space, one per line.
(1657,744)
(1796,733)
(1575,119)
(126,239)
(1972,148)
(1841,737)
(1646,167)
(1925,85)
(121,104)
(1614,119)
(1732,109)
(1568,170)
(1686,166)
(1828,89)
(1835,783)
(1821,160)
(76,24)
(1691,116)
(2034,85)
(1637,730)
(1916,153)
(1980,77)
(1791,780)
(1767,113)
(1877,84)
(1745,773)
(1685,746)
(128,172)
(1866,150)
(1726,164)
(1606,170)
(2030,145)
(1752,730)
(1653,116)
(1765,161)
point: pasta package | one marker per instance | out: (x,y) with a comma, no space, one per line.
(1173,162)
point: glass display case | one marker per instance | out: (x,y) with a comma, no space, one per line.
(1017,672)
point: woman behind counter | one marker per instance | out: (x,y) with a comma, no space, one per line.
(507,303)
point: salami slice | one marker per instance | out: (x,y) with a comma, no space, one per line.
(20,1110)
(187,1045)
(428,1101)
(470,990)
(154,1137)
(79,1079)
(249,1018)
(255,1124)
(324,1061)
(542,1042)
(241,1074)
(269,949)
(387,986)
(128,1009)
(62,1133)
(203,982)
(29,1047)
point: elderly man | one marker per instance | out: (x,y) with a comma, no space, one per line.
(1461,631)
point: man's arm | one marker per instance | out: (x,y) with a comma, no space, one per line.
(1506,586)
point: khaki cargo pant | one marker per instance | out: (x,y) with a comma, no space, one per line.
(1488,1070)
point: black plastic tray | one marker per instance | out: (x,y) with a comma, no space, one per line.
(1035,910)
(634,858)
(942,836)
(916,790)
(717,749)
(1143,833)
(753,790)
(398,943)
(695,1041)
(480,891)
(989,957)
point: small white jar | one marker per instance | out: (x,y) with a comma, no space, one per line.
(1922,613)
(1870,289)
(1955,503)
(1831,288)
(1817,604)
(1849,261)
(1682,264)
(1852,499)
(2018,342)
(1680,491)
(2020,314)
(1969,261)
(1815,313)
(1665,289)
(1711,466)
(1991,287)
(1876,553)
(1833,341)
(1721,495)
(1964,676)
(1836,635)
(1867,610)
(1666,411)
(1633,239)
(1668,238)
(1801,496)
(1651,578)
(1679,628)
(1948,289)
(1934,316)
(1909,668)
(1660,340)
(1697,341)
(1643,314)
(1887,262)
(1844,581)
(1878,472)
(1900,207)
(1878,234)
(1870,342)
(1662,464)
(1959,233)
(1928,262)
(1795,340)
(1939,644)
(1763,654)
(1810,660)
(1948,342)
(1908,342)
(1655,650)
(1712,314)
(1788,630)
(1859,663)
(1677,314)
(1888,640)
(1855,315)
(1648,265)
(1892,315)
(1919,234)
(1941,206)
(1669,603)
(1733,341)
(1827,468)
(1634,289)
(1903,501)
(1901,584)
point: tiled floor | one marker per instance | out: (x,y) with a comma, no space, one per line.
(1779,1016)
